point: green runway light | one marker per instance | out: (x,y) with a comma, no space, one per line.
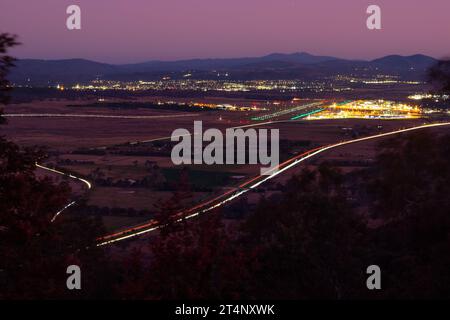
(285,111)
(306,114)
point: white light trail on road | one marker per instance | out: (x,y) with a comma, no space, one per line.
(70,115)
(294,163)
(87,183)
(60,211)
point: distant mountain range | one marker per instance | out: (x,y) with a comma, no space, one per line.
(274,66)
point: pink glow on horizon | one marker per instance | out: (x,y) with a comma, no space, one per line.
(122,31)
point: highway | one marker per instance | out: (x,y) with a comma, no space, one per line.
(84,181)
(247,186)
(95,116)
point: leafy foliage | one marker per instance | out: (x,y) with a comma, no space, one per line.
(439,76)
(6,62)
(34,252)
(313,240)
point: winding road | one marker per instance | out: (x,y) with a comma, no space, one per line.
(95,116)
(86,183)
(247,186)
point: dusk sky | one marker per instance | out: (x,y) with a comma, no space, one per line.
(122,31)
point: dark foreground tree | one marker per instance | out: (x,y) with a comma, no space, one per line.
(6,62)
(34,252)
(314,240)
(311,242)
(308,244)
(410,188)
(439,77)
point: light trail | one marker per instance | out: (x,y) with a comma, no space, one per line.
(87,183)
(300,116)
(70,115)
(61,211)
(153,225)
(286,111)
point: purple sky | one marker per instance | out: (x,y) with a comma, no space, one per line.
(120,31)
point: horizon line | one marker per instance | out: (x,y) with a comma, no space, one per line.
(236,57)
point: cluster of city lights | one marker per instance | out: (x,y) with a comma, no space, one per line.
(368,109)
(207,85)
(424,96)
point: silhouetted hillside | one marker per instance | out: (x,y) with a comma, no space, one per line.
(273,66)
